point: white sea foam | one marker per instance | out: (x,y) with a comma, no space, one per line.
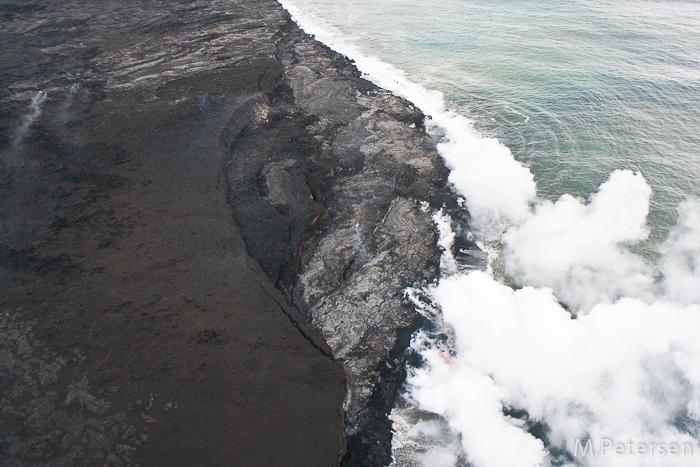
(595,343)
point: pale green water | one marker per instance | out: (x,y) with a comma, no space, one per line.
(575,88)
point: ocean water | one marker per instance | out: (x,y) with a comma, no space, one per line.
(572,131)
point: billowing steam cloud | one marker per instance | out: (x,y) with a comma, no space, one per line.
(625,369)
(681,262)
(575,248)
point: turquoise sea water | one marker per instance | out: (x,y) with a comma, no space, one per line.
(574,88)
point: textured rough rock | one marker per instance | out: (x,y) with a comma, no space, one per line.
(340,168)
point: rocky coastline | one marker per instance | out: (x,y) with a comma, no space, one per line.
(208,222)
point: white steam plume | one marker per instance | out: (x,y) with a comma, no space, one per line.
(624,371)
(29,118)
(578,249)
(681,262)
